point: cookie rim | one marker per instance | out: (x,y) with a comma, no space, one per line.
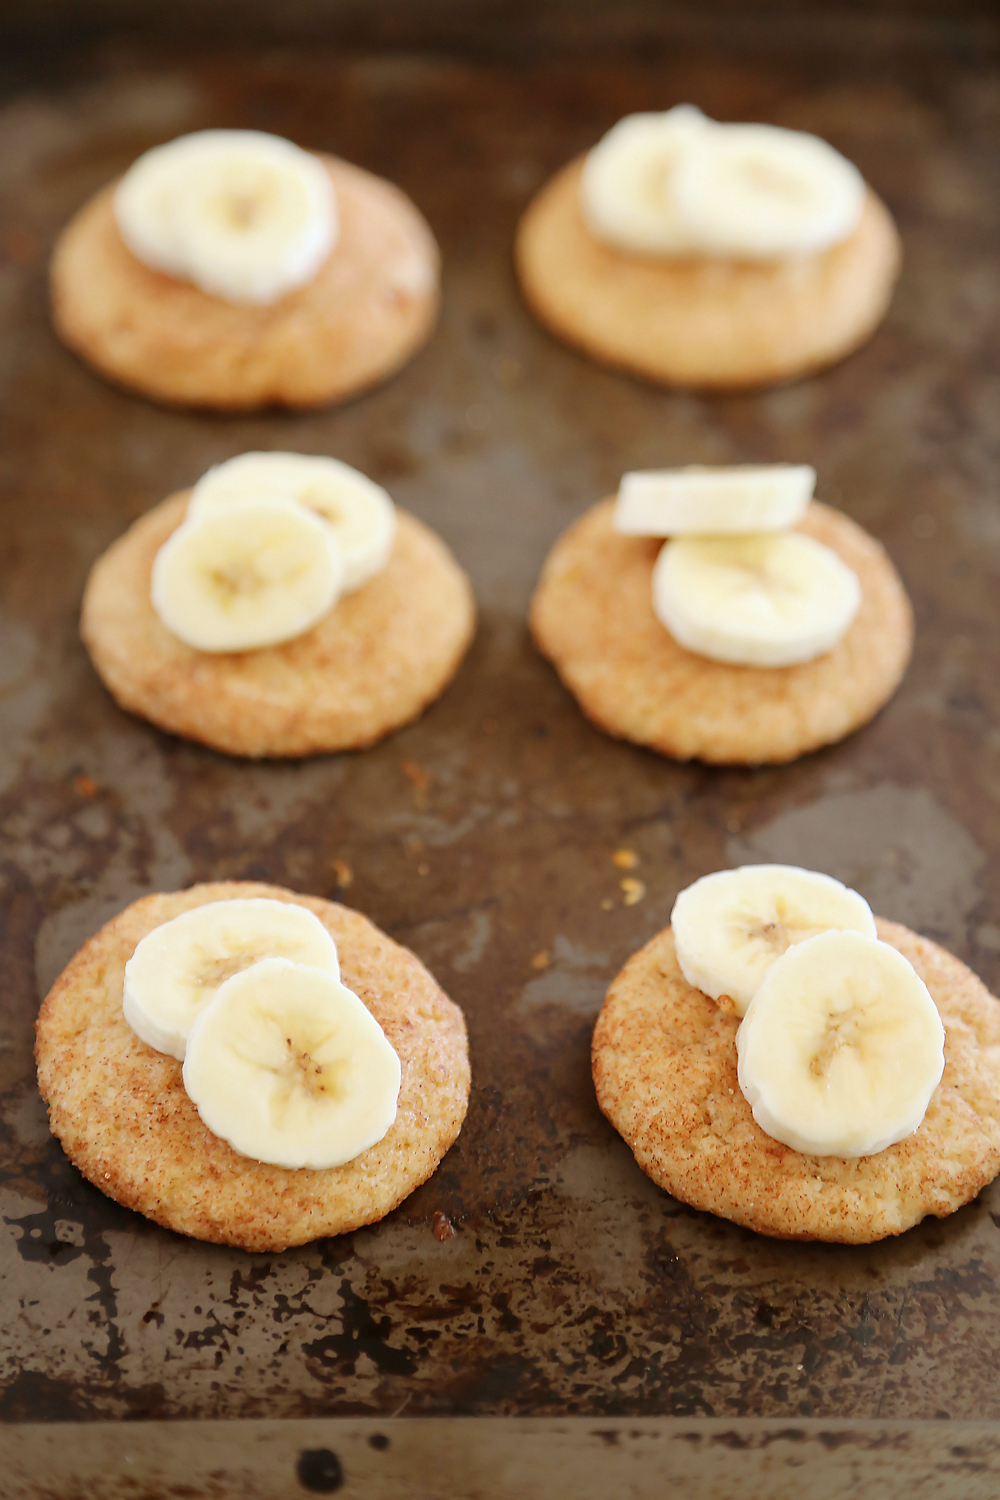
(667,370)
(774,1196)
(122,1181)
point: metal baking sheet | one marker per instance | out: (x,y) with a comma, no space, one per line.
(485,835)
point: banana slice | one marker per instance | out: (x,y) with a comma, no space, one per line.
(360,512)
(761,601)
(249,574)
(289,1067)
(731,500)
(627,184)
(762,193)
(841,1048)
(177,968)
(730,927)
(244,215)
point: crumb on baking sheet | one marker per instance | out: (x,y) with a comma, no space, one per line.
(442,1227)
(420,780)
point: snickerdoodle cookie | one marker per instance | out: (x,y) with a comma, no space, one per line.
(372,663)
(708,323)
(123,1117)
(370,306)
(593,617)
(664,1062)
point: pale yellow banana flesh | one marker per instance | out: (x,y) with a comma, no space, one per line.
(678,184)
(731,500)
(246,575)
(769,600)
(361,513)
(731,926)
(244,215)
(177,968)
(841,1047)
(290,1067)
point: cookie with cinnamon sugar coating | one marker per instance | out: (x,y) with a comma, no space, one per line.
(592,616)
(369,308)
(702,323)
(121,1112)
(372,663)
(664,1065)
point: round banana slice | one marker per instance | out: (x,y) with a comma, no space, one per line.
(627,184)
(760,601)
(244,215)
(177,968)
(758,192)
(249,574)
(289,1067)
(702,501)
(360,511)
(841,1048)
(730,927)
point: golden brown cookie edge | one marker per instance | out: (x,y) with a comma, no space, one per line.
(823,343)
(226,379)
(784,1195)
(266,1214)
(732,736)
(194,695)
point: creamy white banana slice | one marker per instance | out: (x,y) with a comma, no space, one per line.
(626,191)
(360,512)
(678,184)
(770,600)
(244,215)
(732,500)
(290,1067)
(731,926)
(177,968)
(762,193)
(250,574)
(842,1047)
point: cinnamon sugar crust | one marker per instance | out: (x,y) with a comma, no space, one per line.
(664,1065)
(371,305)
(592,615)
(121,1112)
(709,324)
(372,663)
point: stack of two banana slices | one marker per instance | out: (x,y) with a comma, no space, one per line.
(280,1058)
(677,184)
(840,1044)
(736,582)
(269,543)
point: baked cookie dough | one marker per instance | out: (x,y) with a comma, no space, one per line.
(664,1062)
(592,616)
(370,307)
(120,1110)
(372,663)
(707,324)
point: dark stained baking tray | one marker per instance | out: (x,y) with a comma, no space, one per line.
(641,1338)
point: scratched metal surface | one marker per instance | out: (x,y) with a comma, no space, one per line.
(483,836)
